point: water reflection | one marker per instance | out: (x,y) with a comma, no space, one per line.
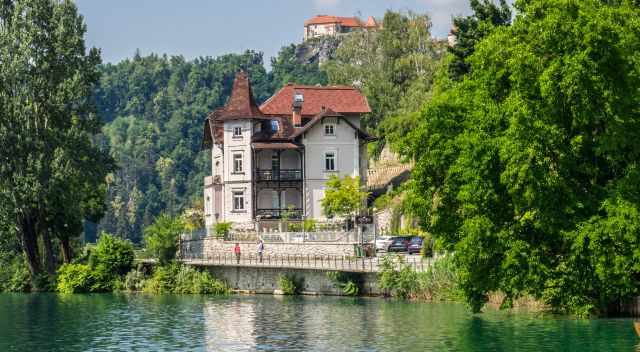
(265,323)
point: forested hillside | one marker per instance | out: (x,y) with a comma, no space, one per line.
(153,108)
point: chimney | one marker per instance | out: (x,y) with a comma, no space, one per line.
(298,100)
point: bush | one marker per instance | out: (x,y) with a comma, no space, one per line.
(440,281)
(133,281)
(350,283)
(14,274)
(112,255)
(74,278)
(191,281)
(161,238)
(182,279)
(222,229)
(309,225)
(290,284)
(397,278)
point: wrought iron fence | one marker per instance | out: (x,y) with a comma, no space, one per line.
(296,261)
(279,175)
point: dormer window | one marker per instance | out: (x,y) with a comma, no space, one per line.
(237,132)
(329,130)
(274,126)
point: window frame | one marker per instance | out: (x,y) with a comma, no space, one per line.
(333,130)
(237,201)
(234,130)
(334,158)
(236,169)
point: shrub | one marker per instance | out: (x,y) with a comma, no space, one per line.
(162,280)
(14,274)
(191,281)
(397,278)
(290,284)
(222,229)
(350,283)
(440,281)
(133,281)
(161,238)
(309,225)
(183,279)
(112,255)
(74,278)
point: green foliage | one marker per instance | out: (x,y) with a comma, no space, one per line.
(350,283)
(527,168)
(343,197)
(394,67)
(290,284)
(75,278)
(14,274)
(52,175)
(134,281)
(396,277)
(154,107)
(183,279)
(289,67)
(309,225)
(161,238)
(469,30)
(440,282)
(222,228)
(112,255)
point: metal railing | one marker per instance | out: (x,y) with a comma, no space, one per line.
(277,213)
(297,261)
(279,175)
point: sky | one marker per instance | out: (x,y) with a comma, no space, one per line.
(195,28)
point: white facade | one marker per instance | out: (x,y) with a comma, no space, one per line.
(248,183)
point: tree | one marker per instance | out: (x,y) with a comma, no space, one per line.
(343,197)
(390,65)
(469,30)
(161,238)
(47,155)
(528,167)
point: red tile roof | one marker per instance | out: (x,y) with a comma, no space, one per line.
(342,99)
(343,21)
(240,103)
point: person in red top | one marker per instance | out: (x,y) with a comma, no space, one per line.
(236,250)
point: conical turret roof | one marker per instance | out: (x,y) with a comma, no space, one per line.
(240,104)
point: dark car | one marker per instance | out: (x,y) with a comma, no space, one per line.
(415,245)
(399,244)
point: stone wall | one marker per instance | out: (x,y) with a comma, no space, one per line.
(210,246)
(265,280)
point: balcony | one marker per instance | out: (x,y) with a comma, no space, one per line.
(295,213)
(279,175)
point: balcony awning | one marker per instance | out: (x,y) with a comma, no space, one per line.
(259,146)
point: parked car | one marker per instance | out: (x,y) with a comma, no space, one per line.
(415,245)
(399,244)
(383,242)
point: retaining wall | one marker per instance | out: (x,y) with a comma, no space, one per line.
(265,280)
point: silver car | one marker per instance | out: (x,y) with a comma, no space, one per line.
(383,242)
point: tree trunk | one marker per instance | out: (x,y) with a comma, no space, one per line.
(29,242)
(49,258)
(66,249)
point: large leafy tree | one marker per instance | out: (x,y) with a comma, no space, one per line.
(528,168)
(393,66)
(49,166)
(469,30)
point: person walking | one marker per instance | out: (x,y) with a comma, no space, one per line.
(260,249)
(236,250)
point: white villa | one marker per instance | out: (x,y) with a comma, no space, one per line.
(277,157)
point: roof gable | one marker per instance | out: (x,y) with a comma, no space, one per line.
(241,103)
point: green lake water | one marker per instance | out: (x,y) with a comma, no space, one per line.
(119,322)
